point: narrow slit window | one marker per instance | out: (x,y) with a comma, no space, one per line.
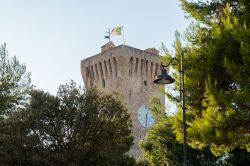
(115,67)
(103,83)
(136,65)
(151,69)
(131,66)
(87,73)
(130,93)
(96,70)
(110,67)
(142,67)
(106,69)
(92,73)
(156,69)
(101,71)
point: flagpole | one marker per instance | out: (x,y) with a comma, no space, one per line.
(109,34)
(108,37)
(123,35)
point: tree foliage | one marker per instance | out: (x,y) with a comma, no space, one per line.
(217,77)
(14,82)
(75,127)
(160,146)
(217,84)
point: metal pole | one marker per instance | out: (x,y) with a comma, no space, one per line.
(109,34)
(183,111)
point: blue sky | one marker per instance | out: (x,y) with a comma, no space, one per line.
(52,36)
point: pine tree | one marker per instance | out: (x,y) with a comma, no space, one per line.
(217,76)
(160,146)
(15,82)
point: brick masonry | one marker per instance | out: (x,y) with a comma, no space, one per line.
(129,71)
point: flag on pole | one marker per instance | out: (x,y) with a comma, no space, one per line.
(116,31)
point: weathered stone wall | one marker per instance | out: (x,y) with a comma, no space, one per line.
(129,71)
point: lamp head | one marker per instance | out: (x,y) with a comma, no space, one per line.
(164,78)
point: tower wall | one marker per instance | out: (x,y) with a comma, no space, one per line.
(129,71)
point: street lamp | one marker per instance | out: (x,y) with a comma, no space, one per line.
(164,78)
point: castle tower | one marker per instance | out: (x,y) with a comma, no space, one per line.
(131,72)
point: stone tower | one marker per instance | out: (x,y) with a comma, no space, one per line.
(131,72)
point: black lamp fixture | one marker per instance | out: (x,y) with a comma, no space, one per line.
(164,78)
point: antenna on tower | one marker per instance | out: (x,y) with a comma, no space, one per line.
(107,36)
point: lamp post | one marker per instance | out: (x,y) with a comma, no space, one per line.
(164,78)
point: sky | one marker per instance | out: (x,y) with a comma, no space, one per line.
(52,36)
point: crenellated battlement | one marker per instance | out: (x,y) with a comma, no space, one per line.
(118,62)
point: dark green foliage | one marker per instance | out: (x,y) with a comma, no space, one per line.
(76,127)
(205,11)
(217,78)
(14,82)
(217,86)
(239,157)
(161,147)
